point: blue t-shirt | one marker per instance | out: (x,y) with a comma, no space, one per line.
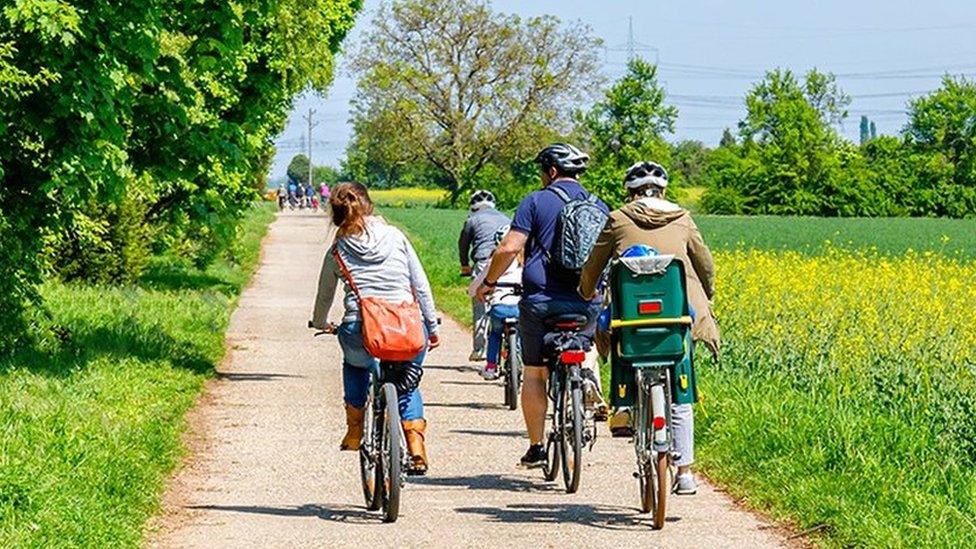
(536,218)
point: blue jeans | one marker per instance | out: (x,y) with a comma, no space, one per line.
(496,317)
(356,365)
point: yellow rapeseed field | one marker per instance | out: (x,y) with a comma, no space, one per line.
(846,393)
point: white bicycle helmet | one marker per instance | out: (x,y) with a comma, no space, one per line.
(480,199)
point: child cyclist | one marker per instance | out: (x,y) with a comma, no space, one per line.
(503,303)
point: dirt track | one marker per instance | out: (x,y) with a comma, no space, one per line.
(265,470)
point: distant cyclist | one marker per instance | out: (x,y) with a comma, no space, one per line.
(383,264)
(476,243)
(546,290)
(282,196)
(649,219)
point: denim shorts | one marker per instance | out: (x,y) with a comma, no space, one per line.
(532,329)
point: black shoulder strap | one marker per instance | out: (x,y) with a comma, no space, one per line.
(560,193)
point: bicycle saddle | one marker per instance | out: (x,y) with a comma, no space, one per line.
(568,321)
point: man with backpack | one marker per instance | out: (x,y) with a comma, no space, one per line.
(556,227)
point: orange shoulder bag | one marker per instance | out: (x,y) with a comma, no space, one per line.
(392,332)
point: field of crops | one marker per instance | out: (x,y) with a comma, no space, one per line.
(846,392)
(409,197)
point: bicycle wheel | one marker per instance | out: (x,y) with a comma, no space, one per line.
(391,456)
(572,437)
(369,471)
(553,439)
(513,378)
(661,483)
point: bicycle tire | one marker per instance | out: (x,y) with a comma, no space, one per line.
(392,454)
(572,439)
(662,485)
(514,373)
(370,473)
(550,471)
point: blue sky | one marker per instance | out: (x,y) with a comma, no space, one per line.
(711,51)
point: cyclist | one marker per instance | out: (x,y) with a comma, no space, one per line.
(545,293)
(503,304)
(324,194)
(649,219)
(383,264)
(309,196)
(476,244)
(282,196)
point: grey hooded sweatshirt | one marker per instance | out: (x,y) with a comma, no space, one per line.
(383,264)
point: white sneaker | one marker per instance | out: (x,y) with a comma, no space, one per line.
(685,485)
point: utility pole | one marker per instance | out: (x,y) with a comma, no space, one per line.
(311,124)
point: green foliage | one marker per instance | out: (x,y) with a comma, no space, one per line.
(298,168)
(626,126)
(326,174)
(149,115)
(92,425)
(447,88)
(792,162)
(944,123)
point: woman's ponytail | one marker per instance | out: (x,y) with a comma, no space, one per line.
(350,207)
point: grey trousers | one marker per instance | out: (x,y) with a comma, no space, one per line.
(683,420)
(479,330)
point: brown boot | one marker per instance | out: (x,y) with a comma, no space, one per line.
(414,429)
(354,429)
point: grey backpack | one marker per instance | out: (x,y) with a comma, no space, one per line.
(577,228)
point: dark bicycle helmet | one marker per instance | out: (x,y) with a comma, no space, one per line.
(564,157)
(642,174)
(481,197)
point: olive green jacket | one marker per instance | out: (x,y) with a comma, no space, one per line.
(669,229)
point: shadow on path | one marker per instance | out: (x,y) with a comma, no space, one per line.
(471,405)
(595,516)
(334,513)
(254,376)
(485,433)
(496,482)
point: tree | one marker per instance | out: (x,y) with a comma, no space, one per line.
(627,125)
(865,130)
(792,154)
(122,123)
(688,160)
(825,95)
(298,168)
(326,174)
(728,140)
(874,130)
(944,123)
(460,86)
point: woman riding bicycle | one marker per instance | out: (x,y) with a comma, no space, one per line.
(651,220)
(383,264)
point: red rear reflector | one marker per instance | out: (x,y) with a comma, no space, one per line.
(649,307)
(572,357)
(658,423)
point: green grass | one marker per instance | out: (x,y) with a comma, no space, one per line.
(88,433)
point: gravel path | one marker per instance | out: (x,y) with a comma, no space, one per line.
(264,468)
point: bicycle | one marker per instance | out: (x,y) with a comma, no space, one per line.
(572,426)
(383,456)
(651,354)
(510,365)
